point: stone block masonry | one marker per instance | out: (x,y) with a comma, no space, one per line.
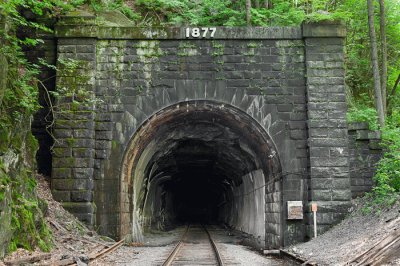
(261,77)
(364,151)
(329,183)
(289,80)
(74,130)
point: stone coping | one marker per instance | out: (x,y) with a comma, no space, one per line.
(185,33)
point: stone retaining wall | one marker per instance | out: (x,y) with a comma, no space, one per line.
(365,151)
(327,128)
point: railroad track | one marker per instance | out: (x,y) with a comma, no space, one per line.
(196,247)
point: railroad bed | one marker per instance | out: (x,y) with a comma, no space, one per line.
(196,247)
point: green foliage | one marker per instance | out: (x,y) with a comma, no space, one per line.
(17,106)
(27,224)
(362,110)
(363,114)
(387,177)
(73,98)
(388,172)
(358,63)
(29,229)
(185,12)
(20,95)
(377,205)
(283,13)
(119,5)
(360,82)
(4,182)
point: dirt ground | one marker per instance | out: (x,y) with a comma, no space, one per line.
(76,244)
(354,235)
(73,241)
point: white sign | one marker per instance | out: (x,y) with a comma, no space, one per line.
(200,32)
(295,210)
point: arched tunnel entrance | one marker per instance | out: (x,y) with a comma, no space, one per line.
(201,162)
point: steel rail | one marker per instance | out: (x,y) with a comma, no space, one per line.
(214,246)
(175,251)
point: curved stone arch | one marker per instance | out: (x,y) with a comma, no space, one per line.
(189,90)
(258,123)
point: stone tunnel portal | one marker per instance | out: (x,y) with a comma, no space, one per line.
(201,162)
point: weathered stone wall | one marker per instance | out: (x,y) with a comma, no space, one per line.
(249,213)
(138,72)
(329,183)
(133,75)
(74,152)
(365,151)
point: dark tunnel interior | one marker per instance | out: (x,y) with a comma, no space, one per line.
(196,197)
(202,167)
(197,188)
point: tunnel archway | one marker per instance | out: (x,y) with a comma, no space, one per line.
(202,162)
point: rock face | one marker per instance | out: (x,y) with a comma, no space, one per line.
(21,217)
(5,195)
(5,220)
(257,115)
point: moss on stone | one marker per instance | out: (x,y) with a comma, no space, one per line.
(253,45)
(114,144)
(22,222)
(26,221)
(69,162)
(4,139)
(113,18)
(218,48)
(70,142)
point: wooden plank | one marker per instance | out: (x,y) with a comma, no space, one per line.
(29,259)
(109,250)
(370,253)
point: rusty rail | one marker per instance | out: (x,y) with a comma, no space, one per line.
(172,256)
(216,251)
(175,251)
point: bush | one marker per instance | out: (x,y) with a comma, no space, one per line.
(362,110)
(387,177)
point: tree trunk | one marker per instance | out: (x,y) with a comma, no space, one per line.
(382,20)
(308,6)
(248,12)
(375,67)
(395,86)
(257,3)
(392,93)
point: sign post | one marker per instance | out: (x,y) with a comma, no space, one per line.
(314,208)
